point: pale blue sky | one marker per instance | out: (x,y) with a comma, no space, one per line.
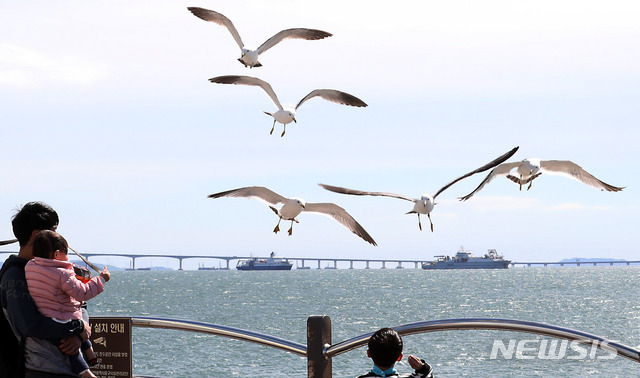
(108,116)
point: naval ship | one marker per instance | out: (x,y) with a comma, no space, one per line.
(465,260)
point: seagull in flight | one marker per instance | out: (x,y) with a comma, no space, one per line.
(286,116)
(527,170)
(292,207)
(250,57)
(426,203)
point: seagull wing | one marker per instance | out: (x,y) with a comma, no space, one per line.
(501,170)
(498,160)
(5,242)
(218,18)
(298,33)
(354,192)
(572,170)
(334,96)
(341,215)
(248,80)
(257,192)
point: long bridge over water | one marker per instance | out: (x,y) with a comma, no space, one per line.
(332,263)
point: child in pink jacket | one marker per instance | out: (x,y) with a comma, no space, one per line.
(57,292)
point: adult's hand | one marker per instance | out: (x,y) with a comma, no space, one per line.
(71,344)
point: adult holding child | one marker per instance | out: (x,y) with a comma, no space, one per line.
(25,350)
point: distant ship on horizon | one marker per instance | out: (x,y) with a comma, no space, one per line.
(465,260)
(271,263)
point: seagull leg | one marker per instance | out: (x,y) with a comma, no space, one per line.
(275,230)
(291,228)
(429,216)
(520,182)
(284,130)
(273,127)
(533,178)
(419,223)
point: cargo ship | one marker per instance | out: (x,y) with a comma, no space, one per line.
(465,260)
(272,263)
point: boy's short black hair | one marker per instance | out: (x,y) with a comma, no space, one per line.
(33,216)
(385,347)
(46,242)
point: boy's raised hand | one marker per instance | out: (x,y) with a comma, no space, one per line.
(415,362)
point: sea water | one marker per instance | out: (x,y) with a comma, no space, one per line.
(604,301)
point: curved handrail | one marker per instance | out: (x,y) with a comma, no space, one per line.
(236,333)
(331,351)
(496,324)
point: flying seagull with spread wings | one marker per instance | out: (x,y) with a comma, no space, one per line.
(286,116)
(529,169)
(292,207)
(250,57)
(426,203)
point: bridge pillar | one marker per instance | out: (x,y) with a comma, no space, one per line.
(318,338)
(319,265)
(367,267)
(180,260)
(351,264)
(384,265)
(399,264)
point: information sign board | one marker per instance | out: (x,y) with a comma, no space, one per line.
(111,339)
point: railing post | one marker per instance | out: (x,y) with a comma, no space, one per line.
(318,336)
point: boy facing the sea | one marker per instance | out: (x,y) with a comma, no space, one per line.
(58,293)
(385,349)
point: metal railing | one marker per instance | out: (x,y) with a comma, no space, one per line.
(234,333)
(319,350)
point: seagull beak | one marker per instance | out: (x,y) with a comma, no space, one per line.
(303,206)
(294,119)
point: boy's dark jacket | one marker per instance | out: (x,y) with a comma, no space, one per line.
(425,372)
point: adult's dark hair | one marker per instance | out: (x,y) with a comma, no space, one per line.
(46,242)
(33,216)
(385,347)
